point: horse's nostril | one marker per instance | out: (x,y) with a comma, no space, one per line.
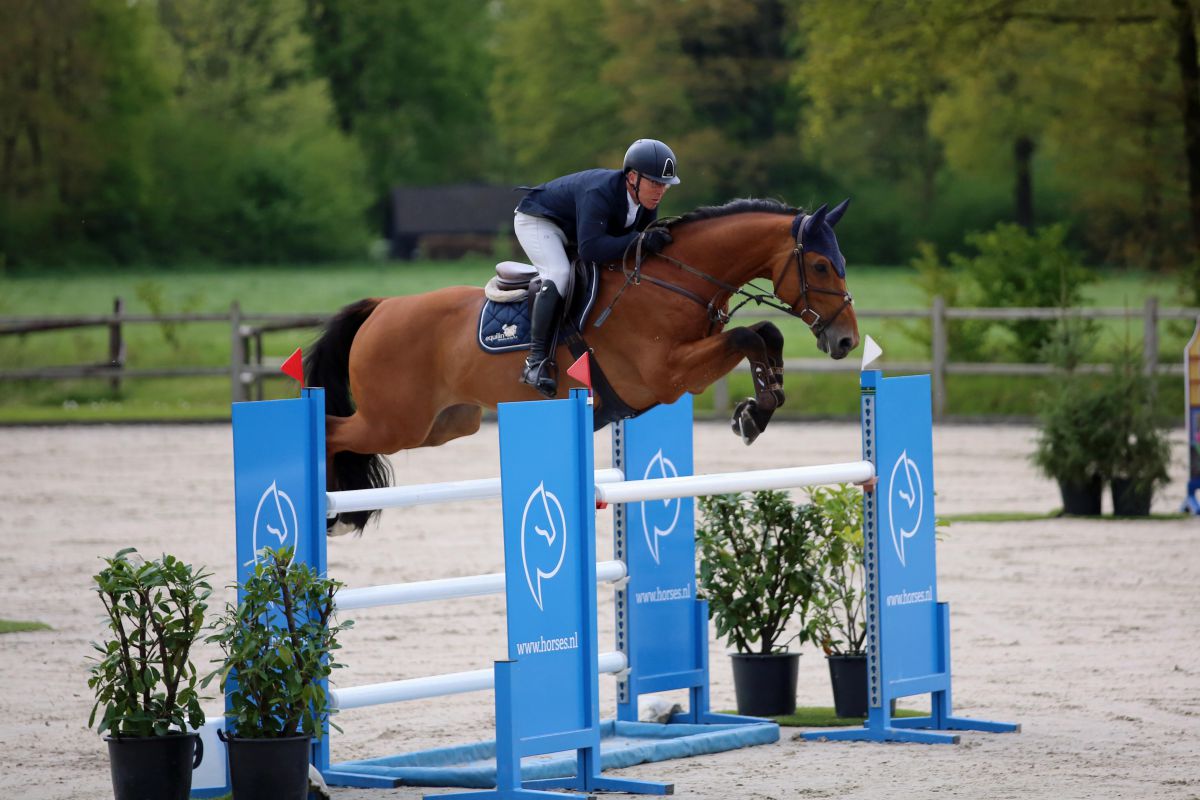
(845,344)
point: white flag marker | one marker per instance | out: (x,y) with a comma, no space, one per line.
(871,351)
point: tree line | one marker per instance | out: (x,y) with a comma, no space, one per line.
(176,130)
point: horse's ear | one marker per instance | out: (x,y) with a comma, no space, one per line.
(816,218)
(833,216)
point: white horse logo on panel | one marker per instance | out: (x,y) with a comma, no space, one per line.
(542,557)
(906,500)
(279,523)
(659,467)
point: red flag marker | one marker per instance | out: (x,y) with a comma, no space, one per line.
(294,367)
(581,370)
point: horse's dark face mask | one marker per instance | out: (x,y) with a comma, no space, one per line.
(815,232)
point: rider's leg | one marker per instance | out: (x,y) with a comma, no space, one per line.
(545,244)
(540,371)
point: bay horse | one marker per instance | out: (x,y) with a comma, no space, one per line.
(407,372)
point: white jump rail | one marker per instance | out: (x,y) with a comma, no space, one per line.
(376,694)
(731,482)
(611,487)
(447,588)
(426,493)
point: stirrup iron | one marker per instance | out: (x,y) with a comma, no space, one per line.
(542,376)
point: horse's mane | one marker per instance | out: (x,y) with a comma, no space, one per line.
(742,205)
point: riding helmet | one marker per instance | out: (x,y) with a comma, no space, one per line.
(651,158)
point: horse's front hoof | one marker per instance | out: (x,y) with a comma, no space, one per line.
(743,422)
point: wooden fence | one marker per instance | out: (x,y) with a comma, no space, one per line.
(249,366)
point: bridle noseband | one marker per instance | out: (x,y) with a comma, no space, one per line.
(717,315)
(816,325)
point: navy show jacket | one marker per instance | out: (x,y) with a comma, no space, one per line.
(591,208)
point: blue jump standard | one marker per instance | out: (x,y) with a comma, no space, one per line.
(547,692)
(908,630)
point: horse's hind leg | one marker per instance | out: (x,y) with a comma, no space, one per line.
(454,422)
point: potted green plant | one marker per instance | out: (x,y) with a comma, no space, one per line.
(1078,439)
(278,643)
(1141,469)
(1075,439)
(838,617)
(756,571)
(1142,452)
(143,677)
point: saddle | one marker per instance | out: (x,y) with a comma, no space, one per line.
(504,324)
(504,318)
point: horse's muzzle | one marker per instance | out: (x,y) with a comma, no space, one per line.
(838,341)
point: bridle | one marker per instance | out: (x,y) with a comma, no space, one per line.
(717,315)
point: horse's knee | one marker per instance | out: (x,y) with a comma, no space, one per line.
(746,341)
(770,334)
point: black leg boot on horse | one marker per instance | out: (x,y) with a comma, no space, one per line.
(540,370)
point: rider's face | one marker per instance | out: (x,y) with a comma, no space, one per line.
(651,192)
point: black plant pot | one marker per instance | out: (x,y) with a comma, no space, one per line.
(1082,499)
(765,684)
(154,767)
(268,769)
(848,675)
(1130,500)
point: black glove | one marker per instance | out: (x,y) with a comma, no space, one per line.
(654,240)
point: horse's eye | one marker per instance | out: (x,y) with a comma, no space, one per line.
(822,267)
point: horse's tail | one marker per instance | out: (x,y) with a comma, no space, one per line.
(327,364)
(327,361)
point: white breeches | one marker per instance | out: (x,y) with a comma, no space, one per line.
(546,245)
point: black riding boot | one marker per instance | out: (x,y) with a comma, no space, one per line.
(540,370)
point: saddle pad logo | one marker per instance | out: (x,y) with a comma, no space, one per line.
(506,334)
(653,513)
(275,522)
(906,502)
(543,539)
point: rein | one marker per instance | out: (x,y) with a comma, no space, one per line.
(717,315)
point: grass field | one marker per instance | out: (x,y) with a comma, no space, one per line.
(826,717)
(19,626)
(328,287)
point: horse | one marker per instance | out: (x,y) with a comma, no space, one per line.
(407,372)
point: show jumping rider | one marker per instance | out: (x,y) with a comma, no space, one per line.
(600,212)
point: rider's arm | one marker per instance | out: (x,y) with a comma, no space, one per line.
(595,244)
